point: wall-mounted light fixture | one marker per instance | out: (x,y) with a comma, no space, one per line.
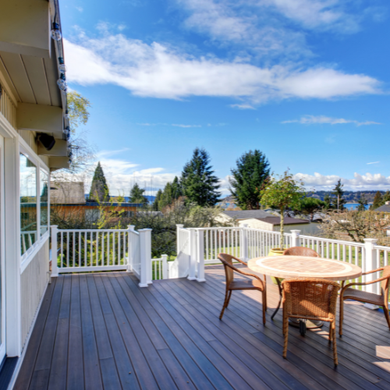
(47,140)
(61,65)
(55,32)
(61,82)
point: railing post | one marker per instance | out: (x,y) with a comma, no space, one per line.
(54,246)
(164,266)
(369,264)
(243,243)
(295,241)
(130,228)
(178,227)
(193,256)
(200,250)
(145,257)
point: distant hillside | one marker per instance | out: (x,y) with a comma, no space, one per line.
(349,196)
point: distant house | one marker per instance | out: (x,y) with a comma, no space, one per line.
(69,196)
(384,209)
(260,219)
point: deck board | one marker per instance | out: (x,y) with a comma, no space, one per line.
(101,331)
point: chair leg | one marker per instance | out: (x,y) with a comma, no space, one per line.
(336,361)
(225,303)
(264,304)
(285,332)
(341,316)
(228,301)
(265,292)
(330,332)
(386,312)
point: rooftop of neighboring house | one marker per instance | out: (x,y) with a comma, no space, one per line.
(246,214)
(287,220)
(384,209)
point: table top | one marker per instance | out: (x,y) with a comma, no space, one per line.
(304,267)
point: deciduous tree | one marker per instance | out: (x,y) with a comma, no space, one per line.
(282,193)
(252,170)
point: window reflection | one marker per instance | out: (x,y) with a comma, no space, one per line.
(44,198)
(28,203)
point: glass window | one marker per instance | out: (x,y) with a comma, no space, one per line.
(44,198)
(28,203)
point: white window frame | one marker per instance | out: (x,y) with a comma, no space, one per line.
(29,255)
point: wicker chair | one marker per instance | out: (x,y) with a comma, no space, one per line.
(300,251)
(254,284)
(311,299)
(362,296)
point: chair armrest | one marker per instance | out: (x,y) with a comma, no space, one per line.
(371,272)
(242,262)
(245,273)
(363,284)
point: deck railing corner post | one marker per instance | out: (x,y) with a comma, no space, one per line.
(244,243)
(130,228)
(200,255)
(54,246)
(145,236)
(193,254)
(369,263)
(295,241)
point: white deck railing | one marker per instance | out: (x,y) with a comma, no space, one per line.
(127,249)
(246,243)
(77,250)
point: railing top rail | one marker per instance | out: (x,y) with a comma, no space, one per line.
(216,228)
(385,248)
(330,240)
(96,230)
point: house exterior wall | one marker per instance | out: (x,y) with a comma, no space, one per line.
(255,224)
(33,284)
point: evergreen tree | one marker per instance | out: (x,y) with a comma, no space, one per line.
(362,203)
(137,195)
(309,206)
(155,206)
(386,197)
(166,197)
(199,184)
(328,202)
(248,178)
(338,192)
(378,200)
(176,188)
(99,188)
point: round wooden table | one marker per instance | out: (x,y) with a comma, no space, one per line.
(288,267)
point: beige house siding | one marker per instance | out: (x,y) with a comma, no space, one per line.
(34,280)
(7,105)
(67,193)
(255,224)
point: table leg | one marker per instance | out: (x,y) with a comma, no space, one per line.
(280,298)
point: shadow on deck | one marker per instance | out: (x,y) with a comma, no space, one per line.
(102,331)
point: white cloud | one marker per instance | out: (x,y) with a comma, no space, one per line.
(160,71)
(242,106)
(185,126)
(80,9)
(311,119)
(313,14)
(375,162)
(368,181)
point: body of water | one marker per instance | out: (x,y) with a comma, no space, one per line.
(353,206)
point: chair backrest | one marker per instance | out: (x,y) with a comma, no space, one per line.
(310,297)
(300,251)
(385,283)
(226,261)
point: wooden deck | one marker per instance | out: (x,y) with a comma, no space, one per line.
(102,331)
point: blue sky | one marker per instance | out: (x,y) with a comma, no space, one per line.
(304,81)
